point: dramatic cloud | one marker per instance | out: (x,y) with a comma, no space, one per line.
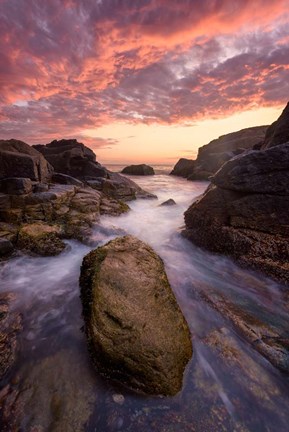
(68,65)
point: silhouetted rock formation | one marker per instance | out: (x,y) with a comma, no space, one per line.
(72,158)
(184,168)
(135,329)
(245,213)
(278,132)
(213,155)
(18,159)
(140,170)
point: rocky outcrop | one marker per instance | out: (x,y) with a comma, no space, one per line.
(139,170)
(36,212)
(213,155)
(135,329)
(18,159)
(74,162)
(72,158)
(278,132)
(245,214)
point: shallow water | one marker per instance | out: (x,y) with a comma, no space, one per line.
(228,386)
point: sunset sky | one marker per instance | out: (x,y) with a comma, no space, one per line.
(141,80)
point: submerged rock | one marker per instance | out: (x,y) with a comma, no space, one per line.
(271,342)
(56,394)
(169,202)
(134,326)
(140,170)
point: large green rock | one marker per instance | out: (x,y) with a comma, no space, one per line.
(135,328)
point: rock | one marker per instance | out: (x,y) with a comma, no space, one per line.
(10,326)
(263,171)
(123,188)
(55,393)
(183,168)
(169,202)
(6,247)
(112,207)
(16,186)
(66,179)
(18,159)
(40,187)
(72,158)
(135,329)
(41,239)
(245,213)
(278,132)
(140,170)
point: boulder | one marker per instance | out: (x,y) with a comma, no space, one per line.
(263,171)
(169,202)
(134,326)
(41,239)
(16,186)
(123,188)
(68,156)
(184,168)
(18,159)
(278,132)
(140,170)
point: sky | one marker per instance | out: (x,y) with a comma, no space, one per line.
(141,80)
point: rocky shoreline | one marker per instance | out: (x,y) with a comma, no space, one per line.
(136,332)
(244,212)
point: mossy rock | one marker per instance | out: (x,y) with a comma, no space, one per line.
(135,329)
(41,239)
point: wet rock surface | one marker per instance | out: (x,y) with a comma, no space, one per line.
(270,341)
(50,397)
(142,170)
(10,326)
(41,239)
(135,329)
